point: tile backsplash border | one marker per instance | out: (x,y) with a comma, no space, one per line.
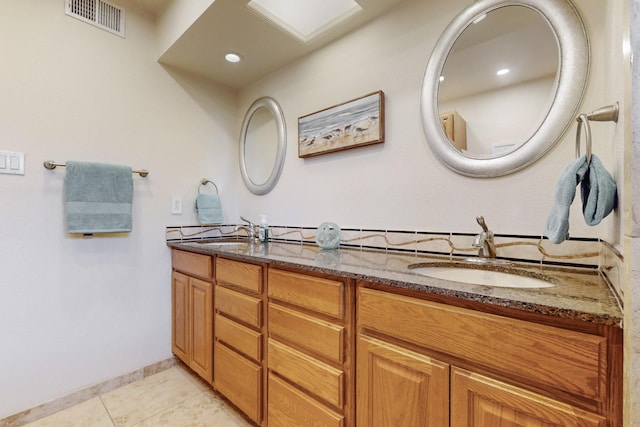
(574,252)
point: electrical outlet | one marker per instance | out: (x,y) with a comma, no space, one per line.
(176,205)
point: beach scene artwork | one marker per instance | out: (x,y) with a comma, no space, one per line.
(352,124)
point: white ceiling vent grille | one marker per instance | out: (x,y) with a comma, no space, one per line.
(98,13)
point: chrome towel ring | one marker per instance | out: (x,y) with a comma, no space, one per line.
(582,119)
(604,114)
(206,181)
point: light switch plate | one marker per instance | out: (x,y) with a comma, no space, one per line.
(176,205)
(12,162)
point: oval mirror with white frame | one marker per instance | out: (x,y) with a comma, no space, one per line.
(263,145)
(503,84)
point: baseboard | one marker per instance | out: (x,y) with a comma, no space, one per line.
(85,394)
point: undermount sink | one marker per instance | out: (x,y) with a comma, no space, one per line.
(225,243)
(488,275)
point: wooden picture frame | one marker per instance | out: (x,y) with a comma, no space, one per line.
(352,124)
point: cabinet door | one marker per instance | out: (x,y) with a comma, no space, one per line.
(202,328)
(397,387)
(479,401)
(455,128)
(180,316)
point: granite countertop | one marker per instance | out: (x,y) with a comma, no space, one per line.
(578,293)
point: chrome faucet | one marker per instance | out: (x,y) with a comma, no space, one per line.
(250,228)
(484,241)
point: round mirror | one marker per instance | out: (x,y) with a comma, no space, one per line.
(263,145)
(503,84)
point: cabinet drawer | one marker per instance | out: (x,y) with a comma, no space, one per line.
(296,327)
(239,306)
(566,360)
(242,274)
(193,264)
(288,406)
(313,293)
(317,377)
(238,380)
(243,339)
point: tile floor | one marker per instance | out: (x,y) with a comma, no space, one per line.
(172,398)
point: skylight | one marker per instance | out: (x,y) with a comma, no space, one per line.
(305,19)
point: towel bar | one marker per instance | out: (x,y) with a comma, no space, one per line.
(50,164)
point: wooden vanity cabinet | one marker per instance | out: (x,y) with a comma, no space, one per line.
(238,352)
(192,309)
(309,353)
(423,363)
(292,348)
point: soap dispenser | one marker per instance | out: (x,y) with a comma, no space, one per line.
(263,230)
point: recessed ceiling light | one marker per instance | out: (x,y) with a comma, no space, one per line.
(502,72)
(441,78)
(304,19)
(233,57)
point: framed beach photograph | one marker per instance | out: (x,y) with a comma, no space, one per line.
(355,123)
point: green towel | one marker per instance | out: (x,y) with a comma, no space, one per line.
(598,192)
(98,197)
(209,208)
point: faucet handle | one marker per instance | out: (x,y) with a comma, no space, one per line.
(480,220)
(251,227)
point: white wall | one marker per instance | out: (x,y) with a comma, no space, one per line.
(74,311)
(177,19)
(505,116)
(400,184)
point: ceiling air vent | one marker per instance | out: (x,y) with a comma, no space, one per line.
(98,13)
